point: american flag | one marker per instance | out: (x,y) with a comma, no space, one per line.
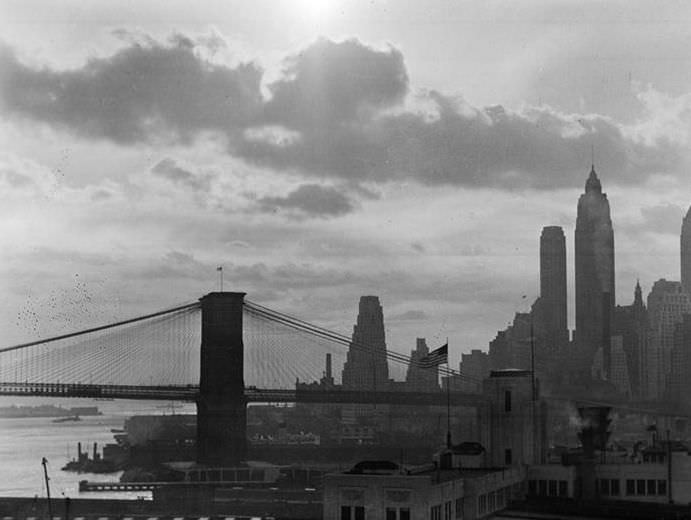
(436,357)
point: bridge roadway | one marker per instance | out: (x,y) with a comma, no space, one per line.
(253,394)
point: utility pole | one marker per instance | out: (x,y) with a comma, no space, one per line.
(44,461)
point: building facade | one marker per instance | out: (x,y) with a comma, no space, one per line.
(667,303)
(594,258)
(366,366)
(419,379)
(631,326)
(380,490)
(553,306)
(685,250)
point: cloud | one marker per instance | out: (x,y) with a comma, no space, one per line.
(411,315)
(340,110)
(169,169)
(311,199)
(332,84)
(664,218)
(142,93)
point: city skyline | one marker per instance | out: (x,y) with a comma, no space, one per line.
(118,201)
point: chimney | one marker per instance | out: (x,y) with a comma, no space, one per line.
(328,366)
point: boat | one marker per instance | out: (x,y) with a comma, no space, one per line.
(67,419)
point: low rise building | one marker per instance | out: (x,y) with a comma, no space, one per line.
(380,490)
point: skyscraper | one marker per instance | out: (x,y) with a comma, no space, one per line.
(631,327)
(366,367)
(553,287)
(686,252)
(667,304)
(419,379)
(594,271)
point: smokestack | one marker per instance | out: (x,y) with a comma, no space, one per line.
(79,451)
(95,451)
(328,366)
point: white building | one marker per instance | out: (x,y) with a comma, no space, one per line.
(379,490)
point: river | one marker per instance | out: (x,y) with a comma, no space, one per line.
(25,441)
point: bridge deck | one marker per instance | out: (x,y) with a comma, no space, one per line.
(253,395)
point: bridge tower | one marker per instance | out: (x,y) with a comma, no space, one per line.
(222,406)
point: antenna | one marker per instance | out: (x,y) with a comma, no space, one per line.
(592,155)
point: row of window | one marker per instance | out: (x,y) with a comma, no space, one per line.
(646,487)
(401,513)
(548,488)
(450,510)
(352,513)
(494,501)
(487,503)
(608,487)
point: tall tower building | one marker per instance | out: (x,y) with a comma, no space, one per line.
(594,271)
(366,367)
(686,252)
(553,286)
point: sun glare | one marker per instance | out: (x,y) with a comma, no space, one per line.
(314,11)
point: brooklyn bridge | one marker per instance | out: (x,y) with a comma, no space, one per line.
(221,352)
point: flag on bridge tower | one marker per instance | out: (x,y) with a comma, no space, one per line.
(436,357)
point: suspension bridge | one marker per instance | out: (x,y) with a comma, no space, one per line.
(220,352)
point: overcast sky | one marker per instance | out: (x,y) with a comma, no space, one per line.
(321,150)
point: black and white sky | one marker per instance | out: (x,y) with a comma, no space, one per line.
(325,149)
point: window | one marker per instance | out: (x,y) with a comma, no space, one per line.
(640,487)
(563,488)
(552,488)
(404,513)
(652,487)
(507,401)
(391,513)
(532,488)
(345,512)
(630,487)
(435,513)
(662,487)
(482,507)
(491,502)
(604,486)
(447,510)
(507,457)
(542,487)
(359,513)
(459,508)
(614,487)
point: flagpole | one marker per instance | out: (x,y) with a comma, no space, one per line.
(448,400)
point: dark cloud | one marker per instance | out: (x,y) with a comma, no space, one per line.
(333,84)
(311,199)
(338,112)
(141,93)
(417,246)
(169,169)
(411,315)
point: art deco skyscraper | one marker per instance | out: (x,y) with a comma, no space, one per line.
(594,270)
(686,252)
(553,286)
(366,367)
